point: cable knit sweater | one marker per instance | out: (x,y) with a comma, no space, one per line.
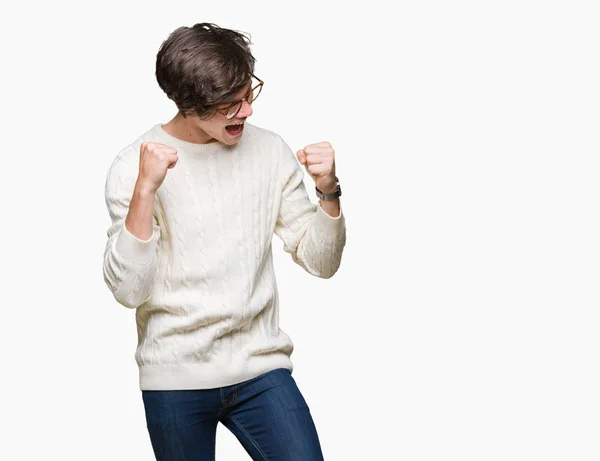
(203,286)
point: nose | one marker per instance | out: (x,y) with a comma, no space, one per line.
(245,110)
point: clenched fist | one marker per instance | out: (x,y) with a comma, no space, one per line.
(319,160)
(155,160)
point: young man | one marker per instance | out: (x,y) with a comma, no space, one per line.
(194,204)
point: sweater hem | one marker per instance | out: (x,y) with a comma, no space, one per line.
(209,375)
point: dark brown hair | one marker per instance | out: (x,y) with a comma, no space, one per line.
(199,67)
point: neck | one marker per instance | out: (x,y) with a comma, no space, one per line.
(184,128)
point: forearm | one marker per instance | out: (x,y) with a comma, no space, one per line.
(131,254)
(314,235)
(321,247)
(139,218)
(331,207)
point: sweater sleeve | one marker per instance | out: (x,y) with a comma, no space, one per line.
(130,264)
(314,239)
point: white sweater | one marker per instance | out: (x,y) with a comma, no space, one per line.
(203,285)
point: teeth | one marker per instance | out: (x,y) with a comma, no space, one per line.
(235,127)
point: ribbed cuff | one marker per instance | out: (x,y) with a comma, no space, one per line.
(134,249)
(324,221)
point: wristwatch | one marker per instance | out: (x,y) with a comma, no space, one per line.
(333,195)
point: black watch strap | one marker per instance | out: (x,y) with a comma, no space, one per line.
(333,195)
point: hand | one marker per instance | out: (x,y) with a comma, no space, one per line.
(155,160)
(319,160)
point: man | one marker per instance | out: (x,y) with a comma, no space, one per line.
(194,204)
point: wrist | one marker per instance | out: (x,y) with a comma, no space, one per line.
(327,186)
(144,189)
(329,193)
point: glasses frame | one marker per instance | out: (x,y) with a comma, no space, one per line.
(225,110)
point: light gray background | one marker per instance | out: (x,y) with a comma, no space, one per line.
(463,323)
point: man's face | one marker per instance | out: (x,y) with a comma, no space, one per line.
(220,128)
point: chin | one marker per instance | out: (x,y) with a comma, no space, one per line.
(229,142)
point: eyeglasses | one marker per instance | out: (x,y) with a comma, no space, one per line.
(232,109)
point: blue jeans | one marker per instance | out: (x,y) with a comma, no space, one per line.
(267,414)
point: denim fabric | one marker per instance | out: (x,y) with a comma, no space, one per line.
(267,414)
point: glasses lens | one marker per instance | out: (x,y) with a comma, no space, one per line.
(233,110)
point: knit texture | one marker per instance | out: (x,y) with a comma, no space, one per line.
(203,285)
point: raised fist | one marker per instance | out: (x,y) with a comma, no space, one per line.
(155,160)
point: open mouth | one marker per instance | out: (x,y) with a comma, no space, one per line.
(235,130)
